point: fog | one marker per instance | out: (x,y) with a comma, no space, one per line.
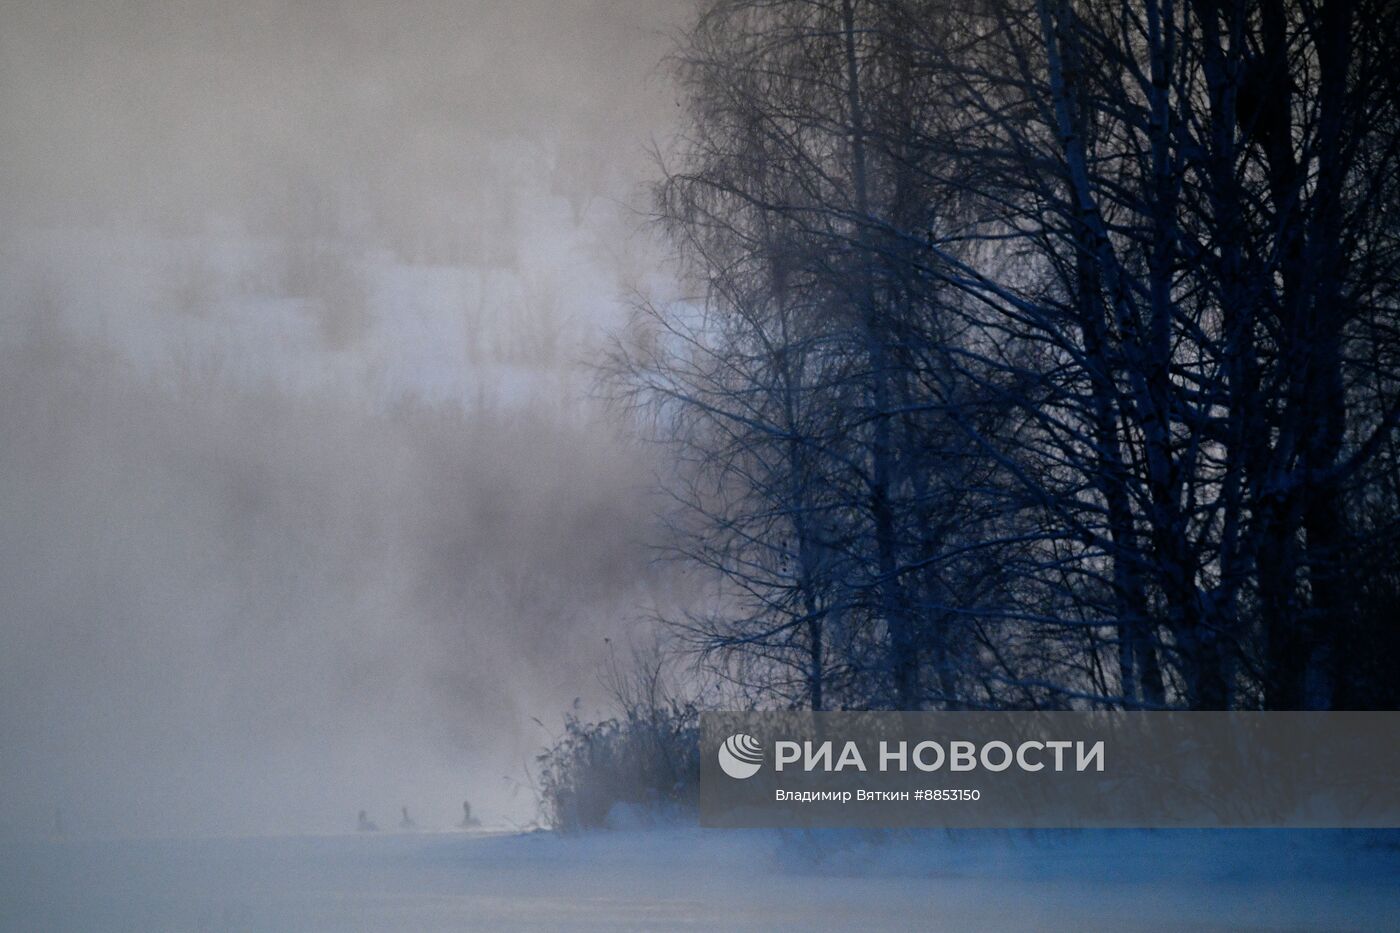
(305,503)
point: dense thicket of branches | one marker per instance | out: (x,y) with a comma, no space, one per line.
(1045,351)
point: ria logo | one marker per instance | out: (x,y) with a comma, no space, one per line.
(741,756)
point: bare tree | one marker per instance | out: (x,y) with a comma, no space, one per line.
(1045,352)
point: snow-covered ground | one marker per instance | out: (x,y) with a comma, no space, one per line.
(708,879)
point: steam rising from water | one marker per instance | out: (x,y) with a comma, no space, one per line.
(303,505)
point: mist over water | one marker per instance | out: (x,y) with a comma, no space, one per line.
(304,503)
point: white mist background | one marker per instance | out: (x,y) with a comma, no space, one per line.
(305,504)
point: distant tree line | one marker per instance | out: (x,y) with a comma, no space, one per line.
(1042,353)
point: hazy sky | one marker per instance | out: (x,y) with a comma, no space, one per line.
(305,507)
